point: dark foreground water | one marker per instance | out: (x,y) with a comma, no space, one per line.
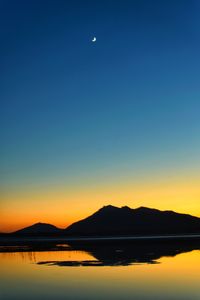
(100,271)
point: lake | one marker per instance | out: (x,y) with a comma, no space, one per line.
(159,270)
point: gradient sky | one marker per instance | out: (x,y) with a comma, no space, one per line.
(88,124)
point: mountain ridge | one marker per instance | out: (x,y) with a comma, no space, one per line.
(112,220)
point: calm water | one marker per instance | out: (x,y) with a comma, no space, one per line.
(101,272)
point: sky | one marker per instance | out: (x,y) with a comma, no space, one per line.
(88,124)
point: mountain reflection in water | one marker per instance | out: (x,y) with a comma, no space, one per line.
(116,270)
(101,253)
(124,253)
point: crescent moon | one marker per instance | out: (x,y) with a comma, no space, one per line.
(94,39)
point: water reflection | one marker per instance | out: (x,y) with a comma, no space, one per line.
(102,253)
(103,270)
(124,253)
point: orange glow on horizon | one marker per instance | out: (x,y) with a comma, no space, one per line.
(61,206)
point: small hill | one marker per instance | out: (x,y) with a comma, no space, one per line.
(39,229)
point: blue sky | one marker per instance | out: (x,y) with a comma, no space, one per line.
(127,104)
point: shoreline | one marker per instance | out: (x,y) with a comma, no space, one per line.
(15,239)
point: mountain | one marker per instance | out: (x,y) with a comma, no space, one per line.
(111,220)
(124,221)
(39,229)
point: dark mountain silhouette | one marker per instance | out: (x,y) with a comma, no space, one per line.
(39,229)
(111,220)
(124,221)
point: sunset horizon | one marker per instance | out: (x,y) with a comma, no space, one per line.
(61,206)
(64,225)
